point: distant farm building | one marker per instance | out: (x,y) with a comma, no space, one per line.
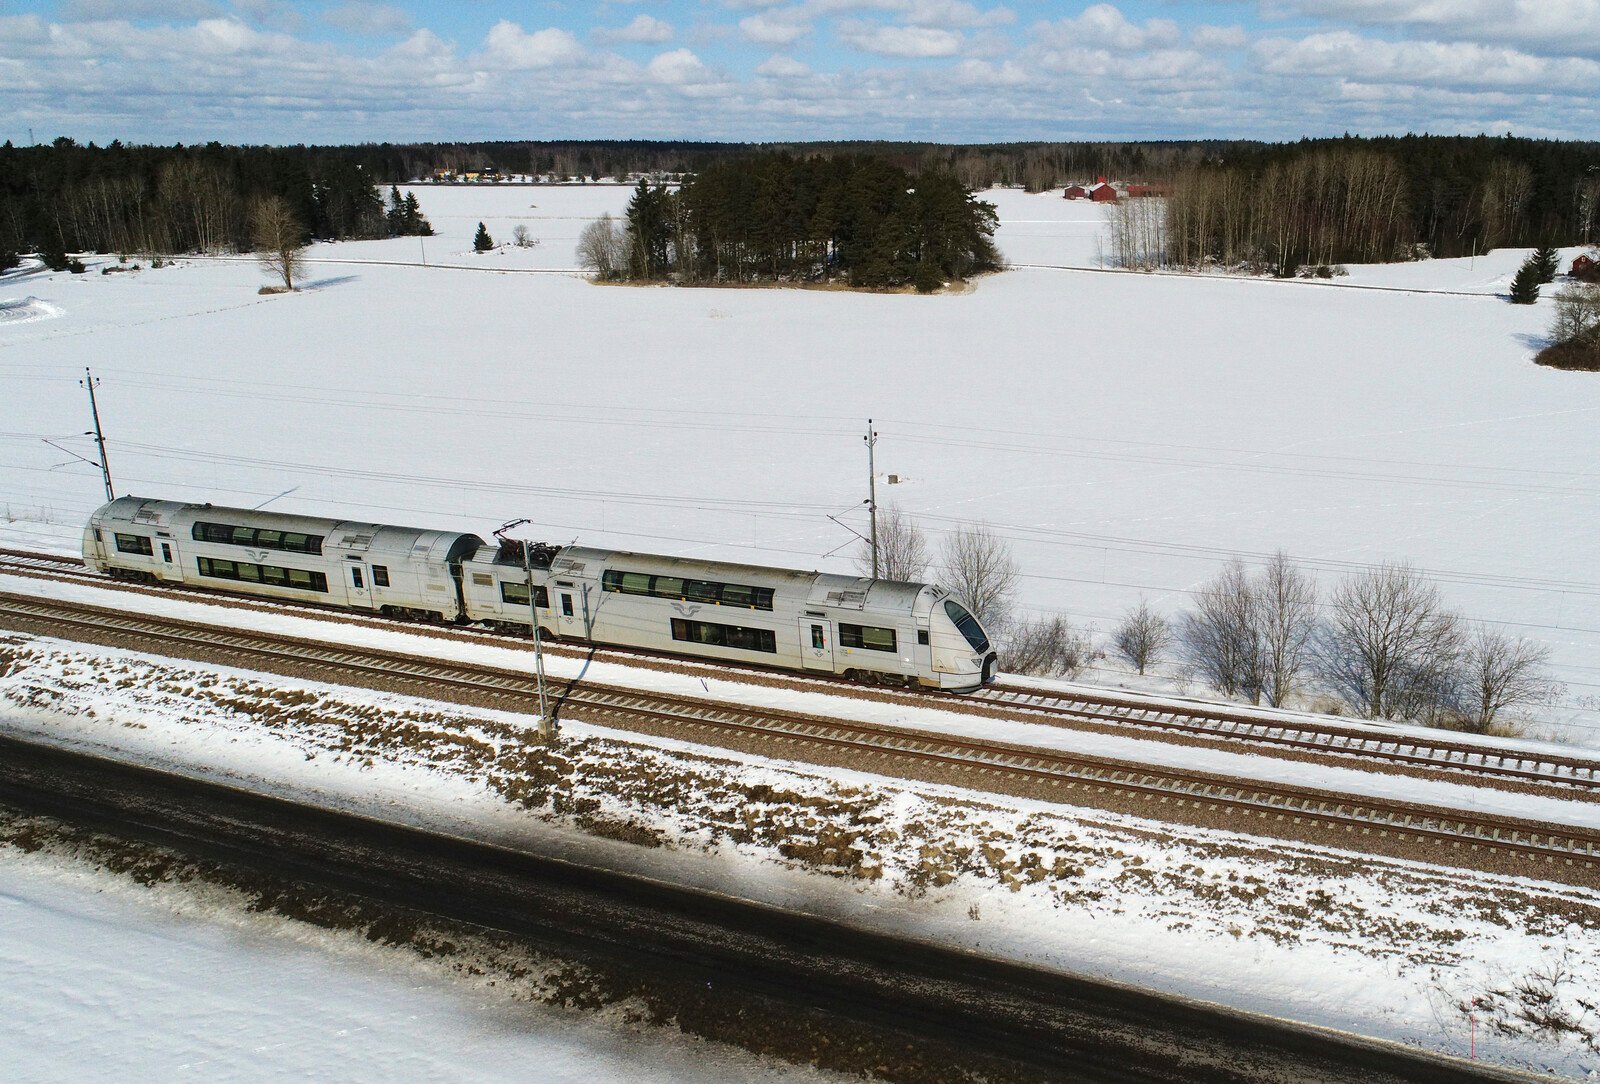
(1075,191)
(1138,191)
(1103,192)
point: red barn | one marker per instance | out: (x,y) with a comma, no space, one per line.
(1101,192)
(1136,191)
(1075,191)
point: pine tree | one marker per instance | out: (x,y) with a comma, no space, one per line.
(482,242)
(1525,287)
(1548,262)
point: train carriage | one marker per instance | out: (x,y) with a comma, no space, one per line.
(879,631)
(404,571)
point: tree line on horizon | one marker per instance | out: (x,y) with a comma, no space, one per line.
(64,197)
(778,218)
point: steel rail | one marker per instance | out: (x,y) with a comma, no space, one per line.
(1570,849)
(1570,775)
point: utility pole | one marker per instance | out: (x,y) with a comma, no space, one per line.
(872,495)
(89,382)
(547,725)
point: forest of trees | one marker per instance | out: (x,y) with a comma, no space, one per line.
(778,218)
(1281,209)
(1268,207)
(63,197)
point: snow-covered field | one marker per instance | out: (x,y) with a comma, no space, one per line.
(1127,433)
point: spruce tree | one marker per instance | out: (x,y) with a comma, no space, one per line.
(1548,262)
(482,242)
(1525,287)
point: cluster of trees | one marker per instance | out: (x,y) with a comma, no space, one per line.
(1575,330)
(1382,641)
(778,218)
(1539,268)
(63,197)
(1282,208)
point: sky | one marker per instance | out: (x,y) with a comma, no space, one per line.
(285,71)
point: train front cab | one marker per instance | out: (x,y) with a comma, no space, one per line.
(961,656)
(131,538)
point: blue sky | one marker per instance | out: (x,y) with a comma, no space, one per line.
(951,70)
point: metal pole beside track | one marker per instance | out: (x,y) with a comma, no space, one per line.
(872,495)
(547,725)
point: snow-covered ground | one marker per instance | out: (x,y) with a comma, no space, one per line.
(105,980)
(1127,433)
(1378,946)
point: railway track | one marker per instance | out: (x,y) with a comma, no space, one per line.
(1259,730)
(1405,829)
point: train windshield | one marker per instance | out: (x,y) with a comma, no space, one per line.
(968,625)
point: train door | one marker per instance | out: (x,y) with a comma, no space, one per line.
(566,608)
(816,644)
(358,586)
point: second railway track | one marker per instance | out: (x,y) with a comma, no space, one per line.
(1276,732)
(1401,828)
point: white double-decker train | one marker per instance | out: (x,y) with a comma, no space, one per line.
(877,631)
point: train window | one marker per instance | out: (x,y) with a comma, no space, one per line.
(228,535)
(271,575)
(482,579)
(922,637)
(516,594)
(701,591)
(566,604)
(135,543)
(355,578)
(676,587)
(817,640)
(380,576)
(715,635)
(968,625)
(867,637)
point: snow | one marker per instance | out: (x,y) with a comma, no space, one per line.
(1127,433)
(1377,946)
(1131,748)
(108,981)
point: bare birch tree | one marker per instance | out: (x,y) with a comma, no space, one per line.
(902,548)
(1499,672)
(1286,608)
(977,566)
(279,239)
(1048,647)
(1220,637)
(1388,642)
(603,247)
(1142,636)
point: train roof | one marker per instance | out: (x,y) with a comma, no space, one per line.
(816,588)
(348,537)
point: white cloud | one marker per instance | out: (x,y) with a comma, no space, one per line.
(1345,55)
(899,41)
(953,13)
(775,28)
(644,28)
(782,67)
(1103,26)
(509,46)
(1219,38)
(680,68)
(372,20)
(1549,26)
